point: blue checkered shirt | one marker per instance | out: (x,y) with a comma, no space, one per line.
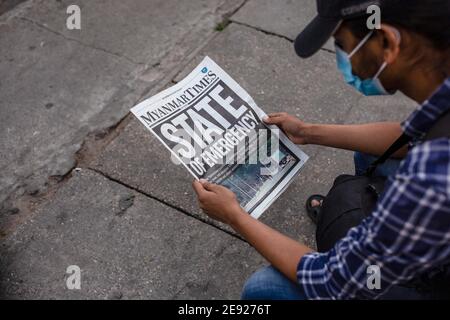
(407,235)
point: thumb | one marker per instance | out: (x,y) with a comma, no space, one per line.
(198,187)
(209,186)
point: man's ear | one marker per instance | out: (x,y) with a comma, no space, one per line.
(391,42)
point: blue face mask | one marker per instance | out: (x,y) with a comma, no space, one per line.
(368,87)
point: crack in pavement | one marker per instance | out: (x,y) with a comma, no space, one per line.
(40,25)
(141,192)
(271,33)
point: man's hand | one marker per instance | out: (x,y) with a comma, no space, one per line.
(217,202)
(221,204)
(293,127)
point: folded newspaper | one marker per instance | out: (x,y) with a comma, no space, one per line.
(213,127)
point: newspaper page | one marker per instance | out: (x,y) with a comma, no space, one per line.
(213,127)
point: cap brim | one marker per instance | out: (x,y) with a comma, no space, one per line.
(315,35)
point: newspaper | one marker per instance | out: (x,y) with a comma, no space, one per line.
(213,127)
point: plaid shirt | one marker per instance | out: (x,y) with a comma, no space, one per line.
(407,235)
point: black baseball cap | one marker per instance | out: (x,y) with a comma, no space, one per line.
(330,15)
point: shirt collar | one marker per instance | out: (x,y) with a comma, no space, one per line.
(421,120)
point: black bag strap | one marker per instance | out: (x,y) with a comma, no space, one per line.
(439,130)
(397,145)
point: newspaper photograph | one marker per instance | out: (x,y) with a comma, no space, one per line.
(214,128)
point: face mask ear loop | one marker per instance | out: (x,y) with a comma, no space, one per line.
(383,66)
(363,42)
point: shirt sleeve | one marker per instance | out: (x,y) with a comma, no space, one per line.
(406,235)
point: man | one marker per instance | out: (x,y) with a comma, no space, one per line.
(407,235)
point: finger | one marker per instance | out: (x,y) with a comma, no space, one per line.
(217,188)
(275,118)
(276,114)
(198,187)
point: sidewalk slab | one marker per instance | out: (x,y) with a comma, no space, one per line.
(53,93)
(127,246)
(59,85)
(141,30)
(286,18)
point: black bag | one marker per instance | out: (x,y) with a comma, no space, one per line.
(352,198)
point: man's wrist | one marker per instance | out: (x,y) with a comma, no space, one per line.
(309,132)
(237,218)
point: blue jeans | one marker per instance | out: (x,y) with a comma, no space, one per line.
(270,284)
(363,161)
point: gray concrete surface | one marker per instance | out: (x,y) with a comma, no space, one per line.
(142,31)
(129,218)
(127,246)
(6,5)
(286,18)
(59,85)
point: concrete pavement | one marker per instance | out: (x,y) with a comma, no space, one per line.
(128,246)
(128,218)
(60,85)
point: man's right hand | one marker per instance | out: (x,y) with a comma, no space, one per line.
(293,127)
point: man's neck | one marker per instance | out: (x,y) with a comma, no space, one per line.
(421,84)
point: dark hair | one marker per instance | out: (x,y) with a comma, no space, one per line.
(429,18)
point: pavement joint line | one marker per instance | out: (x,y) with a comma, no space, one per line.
(172,73)
(226,18)
(226,21)
(40,25)
(91,148)
(238,8)
(165,203)
(270,33)
(191,56)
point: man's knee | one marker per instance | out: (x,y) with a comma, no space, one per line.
(255,285)
(270,284)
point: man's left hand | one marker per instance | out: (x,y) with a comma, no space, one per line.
(217,201)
